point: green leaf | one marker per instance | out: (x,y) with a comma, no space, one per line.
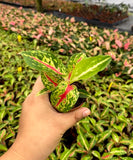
(87,157)
(43,91)
(118,151)
(115,137)
(105,112)
(96,154)
(83,93)
(126,141)
(107,156)
(88,67)
(10,135)
(126,158)
(3,125)
(59,149)
(123,119)
(44,61)
(92,120)
(67,152)
(84,141)
(86,126)
(99,128)
(2,114)
(53,156)
(74,59)
(92,142)
(104,135)
(110,145)
(119,127)
(131,145)
(2,134)
(3,148)
(50,81)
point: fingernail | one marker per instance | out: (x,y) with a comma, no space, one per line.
(86,113)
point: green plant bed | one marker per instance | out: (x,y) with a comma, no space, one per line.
(68,37)
(107,132)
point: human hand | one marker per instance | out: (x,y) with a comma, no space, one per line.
(41,126)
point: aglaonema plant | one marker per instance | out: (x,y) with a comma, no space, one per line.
(58,79)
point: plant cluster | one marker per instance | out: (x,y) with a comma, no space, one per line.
(67,38)
(108,132)
(21,2)
(104,13)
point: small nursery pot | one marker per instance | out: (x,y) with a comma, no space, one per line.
(78,101)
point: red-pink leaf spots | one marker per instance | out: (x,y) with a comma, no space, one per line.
(63,96)
(47,65)
(119,43)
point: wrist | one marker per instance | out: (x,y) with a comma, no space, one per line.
(11,154)
(28,147)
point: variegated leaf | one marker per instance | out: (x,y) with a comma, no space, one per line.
(96,154)
(2,134)
(64,96)
(131,145)
(44,61)
(59,149)
(92,142)
(83,139)
(126,141)
(115,137)
(104,135)
(2,114)
(67,152)
(107,156)
(118,151)
(86,157)
(88,67)
(50,81)
(91,135)
(105,112)
(92,120)
(110,145)
(52,156)
(99,128)
(74,59)
(86,126)
(43,91)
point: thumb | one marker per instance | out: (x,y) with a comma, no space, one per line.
(70,118)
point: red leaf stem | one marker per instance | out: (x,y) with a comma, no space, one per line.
(55,84)
(63,96)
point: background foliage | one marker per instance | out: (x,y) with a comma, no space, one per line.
(108,132)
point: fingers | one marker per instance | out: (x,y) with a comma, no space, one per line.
(38,86)
(70,118)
